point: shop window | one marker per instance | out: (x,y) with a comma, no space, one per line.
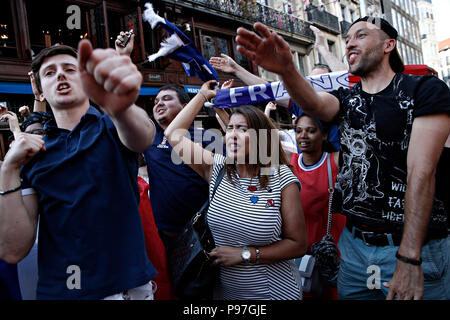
(7,37)
(301,64)
(242,60)
(213,46)
(115,25)
(56,26)
(209,47)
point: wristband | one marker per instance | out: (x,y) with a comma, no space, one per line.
(408,260)
(10,190)
(206,99)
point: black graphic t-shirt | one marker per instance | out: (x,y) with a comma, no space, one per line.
(374,132)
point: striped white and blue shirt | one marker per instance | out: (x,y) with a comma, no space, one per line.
(239,216)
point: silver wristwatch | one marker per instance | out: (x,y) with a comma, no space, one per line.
(246,254)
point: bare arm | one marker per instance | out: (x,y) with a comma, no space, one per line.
(221,115)
(427,140)
(226,64)
(113,82)
(272,53)
(332,61)
(292,245)
(199,159)
(18,215)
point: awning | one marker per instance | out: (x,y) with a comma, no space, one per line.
(25,88)
(14,87)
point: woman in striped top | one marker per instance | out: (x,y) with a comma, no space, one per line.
(256,215)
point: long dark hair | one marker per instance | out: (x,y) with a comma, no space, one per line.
(324,128)
(257,120)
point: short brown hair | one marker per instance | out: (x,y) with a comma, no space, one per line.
(46,53)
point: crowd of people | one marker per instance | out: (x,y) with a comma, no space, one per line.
(101,193)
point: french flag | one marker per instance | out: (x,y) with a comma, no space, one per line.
(179,47)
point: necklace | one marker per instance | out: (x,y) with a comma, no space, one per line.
(247,191)
(254,199)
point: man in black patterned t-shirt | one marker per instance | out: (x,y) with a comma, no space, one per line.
(392,129)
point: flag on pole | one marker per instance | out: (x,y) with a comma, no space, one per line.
(179,47)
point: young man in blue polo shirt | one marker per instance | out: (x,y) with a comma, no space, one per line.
(91,243)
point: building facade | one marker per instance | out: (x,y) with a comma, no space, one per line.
(428,34)
(27,26)
(444,56)
(404,16)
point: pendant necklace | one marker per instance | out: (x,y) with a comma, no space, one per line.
(251,188)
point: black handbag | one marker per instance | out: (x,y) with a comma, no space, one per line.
(193,276)
(322,266)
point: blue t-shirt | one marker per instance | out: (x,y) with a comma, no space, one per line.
(91,240)
(176,191)
(333,135)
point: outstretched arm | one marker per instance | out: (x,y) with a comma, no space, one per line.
(226,64)
(113,82)
(192,154)
(221,115)
(272,53)
(331,60)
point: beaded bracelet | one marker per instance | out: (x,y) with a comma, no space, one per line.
(10,190)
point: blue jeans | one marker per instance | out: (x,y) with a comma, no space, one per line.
(363,269)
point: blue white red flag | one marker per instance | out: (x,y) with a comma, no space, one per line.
(234,97)
(179,47)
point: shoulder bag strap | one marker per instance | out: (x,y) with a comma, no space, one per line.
(330,191)
(218,180)
(208,202)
